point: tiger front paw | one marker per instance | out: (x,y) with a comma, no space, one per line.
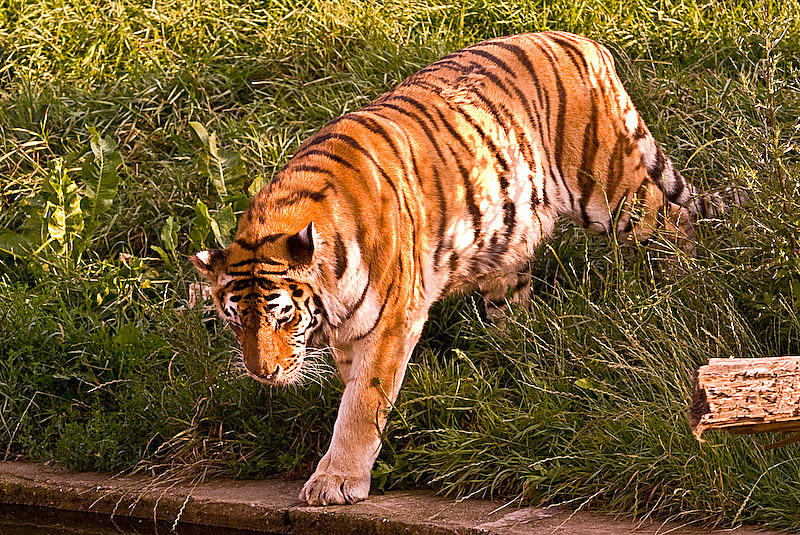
(332,489)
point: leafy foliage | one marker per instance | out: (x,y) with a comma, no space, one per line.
(223,168)
(100,176)
(61,219)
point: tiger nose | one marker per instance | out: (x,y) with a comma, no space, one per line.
(274,374)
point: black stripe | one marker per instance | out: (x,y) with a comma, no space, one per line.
(469,195)
(254,246)
(301,167)
(446,62)
(341,256)
(255,260)
(329,155)
(356,145)
(516,127)
(488,140)
(318,138)
(415,256)
(376,128)
(433,88)
(442,218)
(442,209)
(453,262)
(509,209)
(425,128)
(586,179)
(656,169)
(509,220)
(354,204)
(560,126)
(572,50)
(245,296)
(249,282)
(509,217)
(299,195)
(349,140)
(678,186)
(526,62)
(491,57)
(532,118)
(452,131)
(239,284)
(542,97)
(360,301)
(434,142)
(380,314)
(616,167)
(414,102)
(442,201)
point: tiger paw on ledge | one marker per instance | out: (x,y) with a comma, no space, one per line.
(333,489)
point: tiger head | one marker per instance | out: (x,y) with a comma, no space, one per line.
(262,289)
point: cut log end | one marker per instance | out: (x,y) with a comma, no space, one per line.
(747,396)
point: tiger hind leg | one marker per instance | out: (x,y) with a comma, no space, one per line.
(498,292)
(670,202)
(651,212)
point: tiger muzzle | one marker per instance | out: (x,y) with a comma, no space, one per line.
(264,352)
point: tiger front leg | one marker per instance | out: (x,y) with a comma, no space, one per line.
(343,475)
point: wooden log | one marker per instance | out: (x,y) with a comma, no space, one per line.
(747,396)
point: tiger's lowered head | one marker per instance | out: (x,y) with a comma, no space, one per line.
(265,301)
(446,184)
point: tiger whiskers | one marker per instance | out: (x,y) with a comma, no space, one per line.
(236,368)
(313,373)
(316,366)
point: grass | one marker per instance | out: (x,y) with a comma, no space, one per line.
(579,402)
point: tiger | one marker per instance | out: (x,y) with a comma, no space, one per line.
(444,185)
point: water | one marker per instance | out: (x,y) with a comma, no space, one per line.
(24,520)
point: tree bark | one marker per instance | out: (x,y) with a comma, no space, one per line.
(747,396)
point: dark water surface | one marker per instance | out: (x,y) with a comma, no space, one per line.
(24,520)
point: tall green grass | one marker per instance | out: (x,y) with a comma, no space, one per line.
(580,401)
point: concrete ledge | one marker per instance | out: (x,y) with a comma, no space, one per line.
(272,506)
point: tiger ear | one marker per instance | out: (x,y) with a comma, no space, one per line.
(301,245)
(209,263)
